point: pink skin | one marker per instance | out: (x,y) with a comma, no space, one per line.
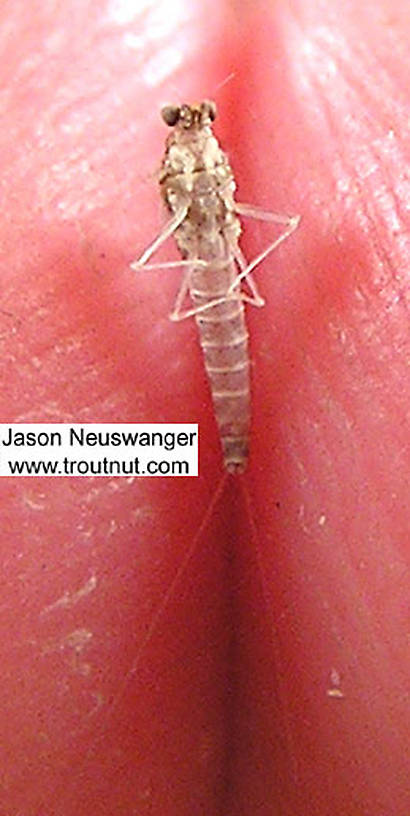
(165,649)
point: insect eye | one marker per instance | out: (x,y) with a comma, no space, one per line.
(170,114)
(186,116)
(209,109)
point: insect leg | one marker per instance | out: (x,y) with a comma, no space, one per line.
(176,315)
(291,223)
(236,254)
(166,264)
(251,211)
(167,230)
(256,299)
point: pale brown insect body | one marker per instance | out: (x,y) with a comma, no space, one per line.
(198,187)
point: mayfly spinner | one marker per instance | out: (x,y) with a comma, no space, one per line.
(198,186)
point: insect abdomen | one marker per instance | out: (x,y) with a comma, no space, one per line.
(224,340)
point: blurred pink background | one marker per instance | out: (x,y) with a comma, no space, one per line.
(165,649)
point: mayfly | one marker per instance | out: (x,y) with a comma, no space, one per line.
(198,186)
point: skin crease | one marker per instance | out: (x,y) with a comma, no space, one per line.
(165,648)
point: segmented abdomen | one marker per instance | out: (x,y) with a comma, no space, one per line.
(224,340)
